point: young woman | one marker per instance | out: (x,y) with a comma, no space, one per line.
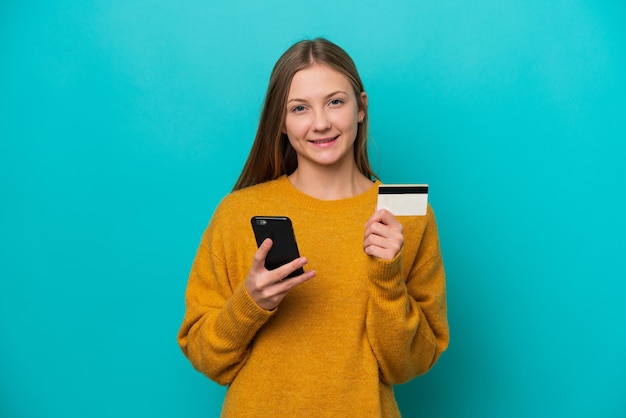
(368,312)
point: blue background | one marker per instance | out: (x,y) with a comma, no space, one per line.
(123,123)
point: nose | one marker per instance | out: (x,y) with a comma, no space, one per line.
(321,121)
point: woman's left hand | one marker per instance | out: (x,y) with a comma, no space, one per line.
(383,235)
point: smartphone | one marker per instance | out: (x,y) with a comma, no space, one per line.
(284,248)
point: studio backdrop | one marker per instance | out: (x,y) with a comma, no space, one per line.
(123,124)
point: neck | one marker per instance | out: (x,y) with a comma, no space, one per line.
(326,183)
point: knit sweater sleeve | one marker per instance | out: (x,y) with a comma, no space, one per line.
(220,319)
(406,316)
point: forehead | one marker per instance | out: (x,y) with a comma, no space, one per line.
(318,80)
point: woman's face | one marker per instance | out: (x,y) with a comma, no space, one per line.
(322,117)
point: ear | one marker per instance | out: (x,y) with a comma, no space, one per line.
(362,111)
(283,125)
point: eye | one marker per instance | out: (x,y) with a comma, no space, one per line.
(298,109)
(336,102)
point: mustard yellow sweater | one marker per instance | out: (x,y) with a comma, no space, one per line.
(337,343)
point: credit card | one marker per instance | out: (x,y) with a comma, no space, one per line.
(403,199)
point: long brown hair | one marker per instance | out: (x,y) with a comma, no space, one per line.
(272,155)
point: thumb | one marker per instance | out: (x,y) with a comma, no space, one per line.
(261,253)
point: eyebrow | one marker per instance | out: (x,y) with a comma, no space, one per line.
(295,99)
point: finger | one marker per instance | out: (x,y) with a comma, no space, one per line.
(375,218)
(384,231)
(378,252)
(388,218)
(375,240)
(384,217)
(382,243)
(261,253)
(286,285)
(377,228)
(270,296)
(392,242)
(386,224)
(286,269)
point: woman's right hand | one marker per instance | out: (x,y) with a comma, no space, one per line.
(267,287)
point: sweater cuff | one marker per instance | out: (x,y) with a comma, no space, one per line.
(245,317)
(385,275)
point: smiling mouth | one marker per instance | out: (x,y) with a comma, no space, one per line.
(322,141)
